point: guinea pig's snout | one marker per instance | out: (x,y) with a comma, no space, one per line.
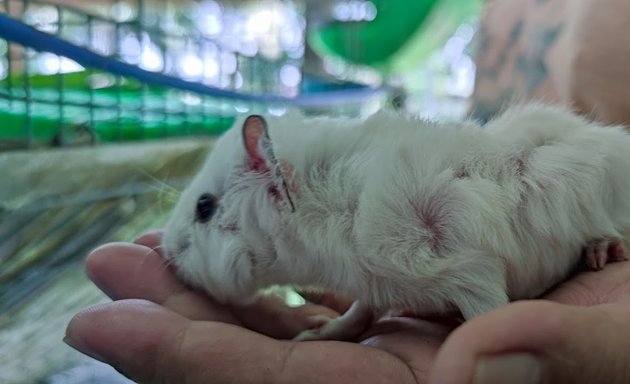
(175,247)
(182,245)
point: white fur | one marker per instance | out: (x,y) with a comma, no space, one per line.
(400,213)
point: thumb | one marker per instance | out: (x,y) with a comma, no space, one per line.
(149,343)
(538,342)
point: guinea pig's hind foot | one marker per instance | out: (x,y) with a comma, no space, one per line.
(345,327)
(599,252)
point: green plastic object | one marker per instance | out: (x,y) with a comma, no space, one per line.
(111,113)
(402,34)
(374,42)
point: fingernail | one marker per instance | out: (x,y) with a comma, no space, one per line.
(516,368)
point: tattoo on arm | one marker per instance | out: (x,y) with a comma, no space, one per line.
(516,32)
(531,66)
(484,110)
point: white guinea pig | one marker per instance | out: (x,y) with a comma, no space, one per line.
(400,213)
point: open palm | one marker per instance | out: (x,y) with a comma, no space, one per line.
(158,330)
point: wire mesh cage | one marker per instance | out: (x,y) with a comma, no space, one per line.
(145,70)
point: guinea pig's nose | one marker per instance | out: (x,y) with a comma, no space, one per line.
(182,245)
(175,247)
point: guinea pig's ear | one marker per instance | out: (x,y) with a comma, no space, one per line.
(261,158)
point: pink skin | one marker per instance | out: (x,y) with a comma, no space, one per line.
(599,252)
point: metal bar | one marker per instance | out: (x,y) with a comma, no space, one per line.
(27,90)
(60,80)
(90,25)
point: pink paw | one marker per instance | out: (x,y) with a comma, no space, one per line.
(348,326)
(599,252)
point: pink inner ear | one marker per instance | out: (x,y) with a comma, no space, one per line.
(253,132)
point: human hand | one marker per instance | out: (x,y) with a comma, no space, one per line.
(176,335)
(158,330)
(579,334)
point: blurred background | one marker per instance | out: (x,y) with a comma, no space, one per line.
(108,107)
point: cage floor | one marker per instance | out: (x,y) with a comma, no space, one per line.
(55,207)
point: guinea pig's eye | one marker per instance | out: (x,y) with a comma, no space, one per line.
(206,205)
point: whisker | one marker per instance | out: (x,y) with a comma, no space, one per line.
(168,264)
(165,192)
(167,261)
(166,201)
(157,247)
(159,182)
(147,255)
(169,195)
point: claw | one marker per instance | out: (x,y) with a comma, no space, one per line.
(345,327)
(602,251)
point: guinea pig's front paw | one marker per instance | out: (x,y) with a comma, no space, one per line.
(333,329)
(345,327)
(309,335)
(598,252)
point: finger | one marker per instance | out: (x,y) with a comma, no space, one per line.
(270,315)
(151,239)
(538,342)
(612,284)
(128,271)
(149,343)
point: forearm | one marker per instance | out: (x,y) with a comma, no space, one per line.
(557,51)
